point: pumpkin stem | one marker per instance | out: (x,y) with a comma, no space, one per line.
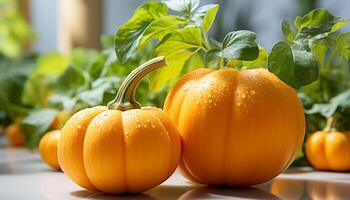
(125,99)
(331,123)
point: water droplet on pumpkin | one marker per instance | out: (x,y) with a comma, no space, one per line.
(145,126)
(238,104)
(243,95)
(153,126)
(252,92)
(79,126)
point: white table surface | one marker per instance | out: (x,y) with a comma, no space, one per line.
(24,176)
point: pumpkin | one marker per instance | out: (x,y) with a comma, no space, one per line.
(48,148)
(238,128)
(121,148)
(60,119)
(329,149)
(15,135)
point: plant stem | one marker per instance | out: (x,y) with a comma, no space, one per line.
(222,62)
(331,123)
(125,99)
(206,42)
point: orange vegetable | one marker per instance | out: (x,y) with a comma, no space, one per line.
(123,147)
(60,119)
(48,148)
(329,149)
(238,128)
(15,135)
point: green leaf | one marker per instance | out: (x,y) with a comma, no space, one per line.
(39,122)
(82,57)
(339,25)
(205,16)
(177,47)
(240,45)
(63,101)
(288,31)
(341,101)
(184,6)
(71,78)
(306,68)
(100,88)
(281,63)
(49,68)
(261,61)
(293,65)
(161,27)
(326,110)
(14,73)
(129,34)
(318,21)
(343,44)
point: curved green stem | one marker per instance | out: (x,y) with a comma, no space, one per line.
(125,99)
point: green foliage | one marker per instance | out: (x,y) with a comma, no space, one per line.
(205,16)
(180,37)
(294,60)
(184,43)
(129,34)
(37,123)
(240,45)
(15,32)
(339,103)
(37,86)
(14,73)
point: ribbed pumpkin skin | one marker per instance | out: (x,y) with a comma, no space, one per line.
(329,150)
(238,128)
(119,152)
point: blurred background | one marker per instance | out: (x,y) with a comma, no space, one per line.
(62,24)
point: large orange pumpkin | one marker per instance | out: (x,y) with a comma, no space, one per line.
(238,128)
(123,147)
(329,150)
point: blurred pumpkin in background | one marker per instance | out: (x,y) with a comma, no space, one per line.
(60,119)
(238,128)
(48,148)
(14,135)
(123,147)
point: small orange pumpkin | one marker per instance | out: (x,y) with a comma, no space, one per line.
(238,128)
(329,149)
(122,148)
(60,119)
(48,148)
(15,135)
